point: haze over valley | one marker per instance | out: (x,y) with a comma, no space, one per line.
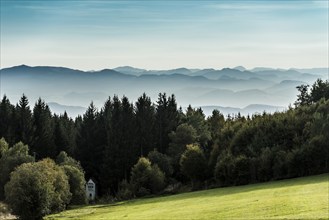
(230,90)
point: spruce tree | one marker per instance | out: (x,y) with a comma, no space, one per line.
(64,134)
(167,119)
(43,138)
(23,122)
(7,120)
(86,141)
(145,121)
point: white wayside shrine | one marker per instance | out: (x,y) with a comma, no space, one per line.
(91,190)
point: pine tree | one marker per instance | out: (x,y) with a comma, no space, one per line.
(6,120)
(145,120)
(105,126)
(64,134)
(167,119)
(23,122)
(215,123)
(196,119)
(120,151)
(86,151)
(43,139)
(128,134)
(114,163)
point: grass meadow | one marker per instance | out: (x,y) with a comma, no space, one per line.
(300,198)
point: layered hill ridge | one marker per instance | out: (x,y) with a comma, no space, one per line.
(233,87)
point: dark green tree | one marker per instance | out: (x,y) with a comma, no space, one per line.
(162,160)
(196,119)
(167,119)
(43,140)
(185,134)
(242,170)
(77,184)
(193,163)
(64,134)
(319,90)
(10,159)
(303,98)
(37,189)
(7,120)
(64,159)
(108,170)
(23,122)
(88,152)
(265,164)
(112,169)
(145,122)
(120,152)
(225,169)
(215,123)
(127,135)
(146,178)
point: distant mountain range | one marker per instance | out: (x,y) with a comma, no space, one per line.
(248,110)
(73,90)
(74,111)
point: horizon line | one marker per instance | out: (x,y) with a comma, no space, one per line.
(172,68)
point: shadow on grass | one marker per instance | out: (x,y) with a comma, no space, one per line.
(238,189)
(221,191)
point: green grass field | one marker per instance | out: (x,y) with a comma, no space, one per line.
(301,198)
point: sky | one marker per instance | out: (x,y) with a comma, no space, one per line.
(93,35)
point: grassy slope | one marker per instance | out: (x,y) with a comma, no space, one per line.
(301,198)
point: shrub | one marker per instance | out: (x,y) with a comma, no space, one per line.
(37,189)
(265,164)
(64,159)
(185,134)
(11,158)
(76,177)
(162,160)
(224,170)
(125,191)
(142,191)
(193,163)
(146,178)
(77,184)
(280,167)
(157,179)
(242,170)
(3,147)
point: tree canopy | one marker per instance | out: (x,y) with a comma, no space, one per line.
(112,143)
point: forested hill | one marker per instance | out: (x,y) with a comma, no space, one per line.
(142,148)
(231,151)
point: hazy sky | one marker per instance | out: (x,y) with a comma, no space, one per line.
(164,34)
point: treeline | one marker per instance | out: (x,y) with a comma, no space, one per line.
(134,149)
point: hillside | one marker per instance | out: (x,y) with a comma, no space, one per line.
(300,198)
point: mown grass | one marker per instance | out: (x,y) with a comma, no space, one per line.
(300,198)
